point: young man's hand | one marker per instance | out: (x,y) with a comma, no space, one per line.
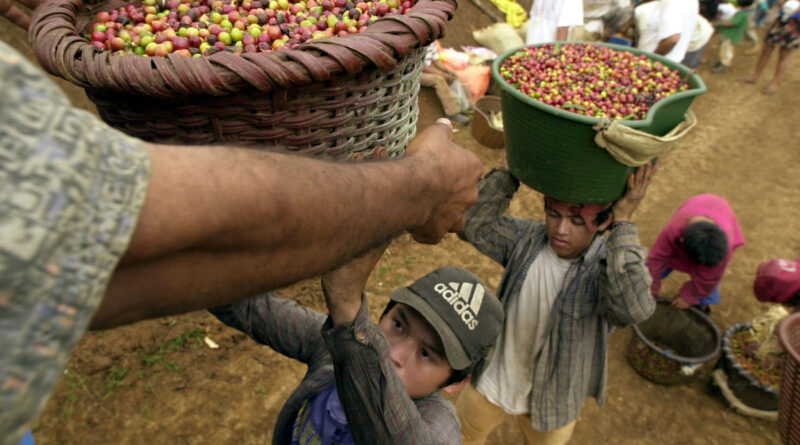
(457,171)
(636,189)
(344,285)
(14,14)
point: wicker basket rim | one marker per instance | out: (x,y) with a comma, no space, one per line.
(62,51)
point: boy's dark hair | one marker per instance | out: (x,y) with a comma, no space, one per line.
(456,375)
(745,3)
(602,217)
(794,301)
(705,243)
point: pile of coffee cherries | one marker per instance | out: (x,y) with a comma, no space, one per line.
(591,80)
(196,28)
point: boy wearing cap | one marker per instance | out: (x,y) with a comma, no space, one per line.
(563,289)
(368,383)
(778,281)
(700,240)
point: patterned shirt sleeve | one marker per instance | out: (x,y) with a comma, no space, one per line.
(487,228)
(376,402)
(625,289)
(71,189)
(281,324)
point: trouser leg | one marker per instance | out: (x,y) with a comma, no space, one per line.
(478,416)
(555,437)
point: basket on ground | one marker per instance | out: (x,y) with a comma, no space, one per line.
(482,129)
(670,346)
(334,97)
(553,150)
(747,389)
(789,400)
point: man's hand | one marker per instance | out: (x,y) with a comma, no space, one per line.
(14,14)
(637,187)
(457,172)
(679,303)
(344,285)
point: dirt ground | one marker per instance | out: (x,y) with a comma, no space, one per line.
(157,381)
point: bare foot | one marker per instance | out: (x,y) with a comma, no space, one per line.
(747,80)
(769,90)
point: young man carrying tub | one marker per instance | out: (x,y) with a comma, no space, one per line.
(564,288)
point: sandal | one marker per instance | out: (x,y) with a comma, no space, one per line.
(769,91)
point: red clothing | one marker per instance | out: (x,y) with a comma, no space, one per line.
(667,252)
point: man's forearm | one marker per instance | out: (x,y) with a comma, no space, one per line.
(274,201)
(666,45)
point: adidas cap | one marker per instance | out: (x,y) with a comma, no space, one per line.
(458,305)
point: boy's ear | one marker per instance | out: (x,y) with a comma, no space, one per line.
(607,223)
(455,387)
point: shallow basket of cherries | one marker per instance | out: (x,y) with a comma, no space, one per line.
(204,27)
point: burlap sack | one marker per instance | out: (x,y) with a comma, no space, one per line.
(633,147)
(499,38)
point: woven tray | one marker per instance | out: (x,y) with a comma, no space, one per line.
(338,97)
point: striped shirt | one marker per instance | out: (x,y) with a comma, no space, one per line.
(608,286)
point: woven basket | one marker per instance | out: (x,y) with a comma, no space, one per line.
(337,97)
(789,400)
(482,129)
(749,390)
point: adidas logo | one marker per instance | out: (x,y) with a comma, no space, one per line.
(465,299)
(788,266)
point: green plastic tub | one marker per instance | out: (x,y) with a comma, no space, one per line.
(553,150)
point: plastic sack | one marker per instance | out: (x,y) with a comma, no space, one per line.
(476,80)
(478,54)
(522,30)
(499,37)
(453,59)
(633,147)
(462,94)
(515,14)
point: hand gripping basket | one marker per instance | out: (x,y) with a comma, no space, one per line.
(338,97)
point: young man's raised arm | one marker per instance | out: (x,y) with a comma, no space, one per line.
(626,282)
(377,404)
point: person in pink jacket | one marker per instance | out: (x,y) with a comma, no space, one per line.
(700,240)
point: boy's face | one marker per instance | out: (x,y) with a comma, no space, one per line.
(416,351)
(567,233)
